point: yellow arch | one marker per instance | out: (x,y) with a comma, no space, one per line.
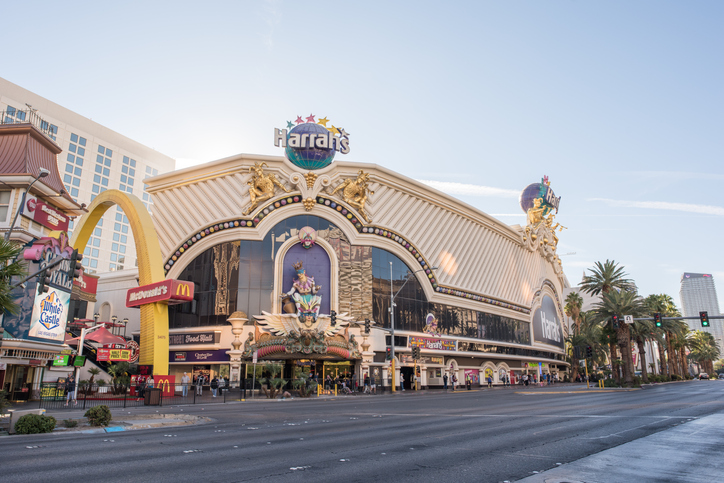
(154,317)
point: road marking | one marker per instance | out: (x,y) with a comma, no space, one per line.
(586,391)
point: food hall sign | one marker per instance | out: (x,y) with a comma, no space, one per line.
(169,291)
(186,339)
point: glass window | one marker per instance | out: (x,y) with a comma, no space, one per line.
(125,219)
(82,141)
(69,168)
(99,168)
(94,263)
(122,248)
(21,115)
(78,171)
(101,149)
(86,252)
(96,189)
(104,181)
(132,172)
(92,198)
(148,169)
(67,178)
(76,181)
(71,148)
(81,151)
(125,159)
(96,242)
(116,237)
(99,159)
(4,204)
(124,169)
(71,158)
(124,239)
(133,163)
(79,161)
(100,222)
(10,110)
(109,153)
(112,267)
(123,178)
(74,137)
(117,226)
(106,172)
(108,162)
(74,192)
(114,247)
(130,181)
(119,217)
(94,252)
(96,179)
(97,232)
(114,257)
(145,196)
(124,229)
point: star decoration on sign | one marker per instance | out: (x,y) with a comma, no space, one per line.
(290,124)
(343,133)
(323,121)
(334,130)
(299,120)
(311,118)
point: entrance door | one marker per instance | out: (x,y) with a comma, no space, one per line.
(408,372)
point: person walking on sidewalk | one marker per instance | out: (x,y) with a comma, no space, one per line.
(185,384)
(444,381)
(200,385)
(402,382)
(214,386)
(70,390)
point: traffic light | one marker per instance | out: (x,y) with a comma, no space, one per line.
(657,319)
(589,352)
(333,316)
(42,282)
(75,264)
(388,357)
(614,321)
(704,317)
(416,353)
(367,326)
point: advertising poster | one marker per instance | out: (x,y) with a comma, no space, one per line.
(50,314)
(546,324)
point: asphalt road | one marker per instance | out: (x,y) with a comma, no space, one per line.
(482,436)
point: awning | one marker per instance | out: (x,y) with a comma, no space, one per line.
(103,336)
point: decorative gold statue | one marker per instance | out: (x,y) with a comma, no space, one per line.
(261,186)
(536,212)
(355,192)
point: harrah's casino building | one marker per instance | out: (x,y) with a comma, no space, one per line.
(478,297)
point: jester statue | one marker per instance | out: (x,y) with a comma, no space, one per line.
(304,292)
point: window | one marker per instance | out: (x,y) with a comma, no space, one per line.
(96,242)
(73,138)
(71,158)
(122,249)
(71,148)
(69,168)
(67,179)
(4,202)
(116,237)
(97,232)
(74,192)
(10,110)
(114,257)
(94,263)
(78,171)
(21,115)
(94,252)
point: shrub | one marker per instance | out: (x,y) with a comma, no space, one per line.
(99,415)
(610,383)
(70,423)
(34,424)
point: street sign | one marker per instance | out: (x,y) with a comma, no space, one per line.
(254,356)
(628,319)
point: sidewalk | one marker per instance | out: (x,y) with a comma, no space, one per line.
(688,452)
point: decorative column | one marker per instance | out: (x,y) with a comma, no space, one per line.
(237,321)
(367,357)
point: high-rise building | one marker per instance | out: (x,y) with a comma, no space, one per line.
(94,159)
(698,293)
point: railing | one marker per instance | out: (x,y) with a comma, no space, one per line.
(29,116)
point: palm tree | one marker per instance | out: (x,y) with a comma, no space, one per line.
(641,332)
(704,350)
(623,302)
(9,267)
(574,302)
(588,334)
(605,278)
(665,305)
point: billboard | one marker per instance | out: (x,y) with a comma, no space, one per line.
(50,314)
(546,324)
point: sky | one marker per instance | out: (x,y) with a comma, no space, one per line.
(619,103)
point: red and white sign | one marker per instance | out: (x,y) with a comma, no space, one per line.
(46,215)
(169,291)
(167,384)
(86,282)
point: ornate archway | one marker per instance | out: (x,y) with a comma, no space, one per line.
(154,316)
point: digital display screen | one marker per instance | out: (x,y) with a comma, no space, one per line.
(79,361)
(61,359)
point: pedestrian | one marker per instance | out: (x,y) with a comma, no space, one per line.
(70,390)
(490,381)
(444,381)
(214,386)
(367,383)
(402,382)
(328,383)
(373,385)
(454,381)
(140,388)
(149,382)
(199,384)
(185,384)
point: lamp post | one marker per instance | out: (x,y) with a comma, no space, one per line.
(125,323)
(96,316)
(392,316)
(42,174)
(113,319)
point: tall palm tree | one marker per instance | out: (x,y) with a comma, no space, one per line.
(588,334)
(665,305)
(574,302)
(604,278)
(623,302)
(9,267)
(641,332)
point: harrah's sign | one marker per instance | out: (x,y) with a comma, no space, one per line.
(169,291)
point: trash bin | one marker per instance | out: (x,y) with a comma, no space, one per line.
(152,397)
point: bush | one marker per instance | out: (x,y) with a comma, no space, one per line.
(99,415)
(70,423)
(610,383)
(34,424)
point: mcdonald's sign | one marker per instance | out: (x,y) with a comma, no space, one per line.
(167,384)
(169,291)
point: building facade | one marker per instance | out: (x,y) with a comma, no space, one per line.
(93,159)
(697,294)
(479,298)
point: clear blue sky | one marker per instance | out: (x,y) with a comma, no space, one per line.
(620,103)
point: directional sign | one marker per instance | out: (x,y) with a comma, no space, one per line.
(628,319)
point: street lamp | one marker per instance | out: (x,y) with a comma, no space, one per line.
(42,174)
(392,315)
(125,323)
(96,316)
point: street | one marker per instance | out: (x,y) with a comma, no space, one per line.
(504,434)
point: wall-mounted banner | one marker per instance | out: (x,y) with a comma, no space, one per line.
(113,355)
(432,344)
(46,215)
(169,291)
(50,314)
(546,325)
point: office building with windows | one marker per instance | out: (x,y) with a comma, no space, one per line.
(697,294)
(93,159)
